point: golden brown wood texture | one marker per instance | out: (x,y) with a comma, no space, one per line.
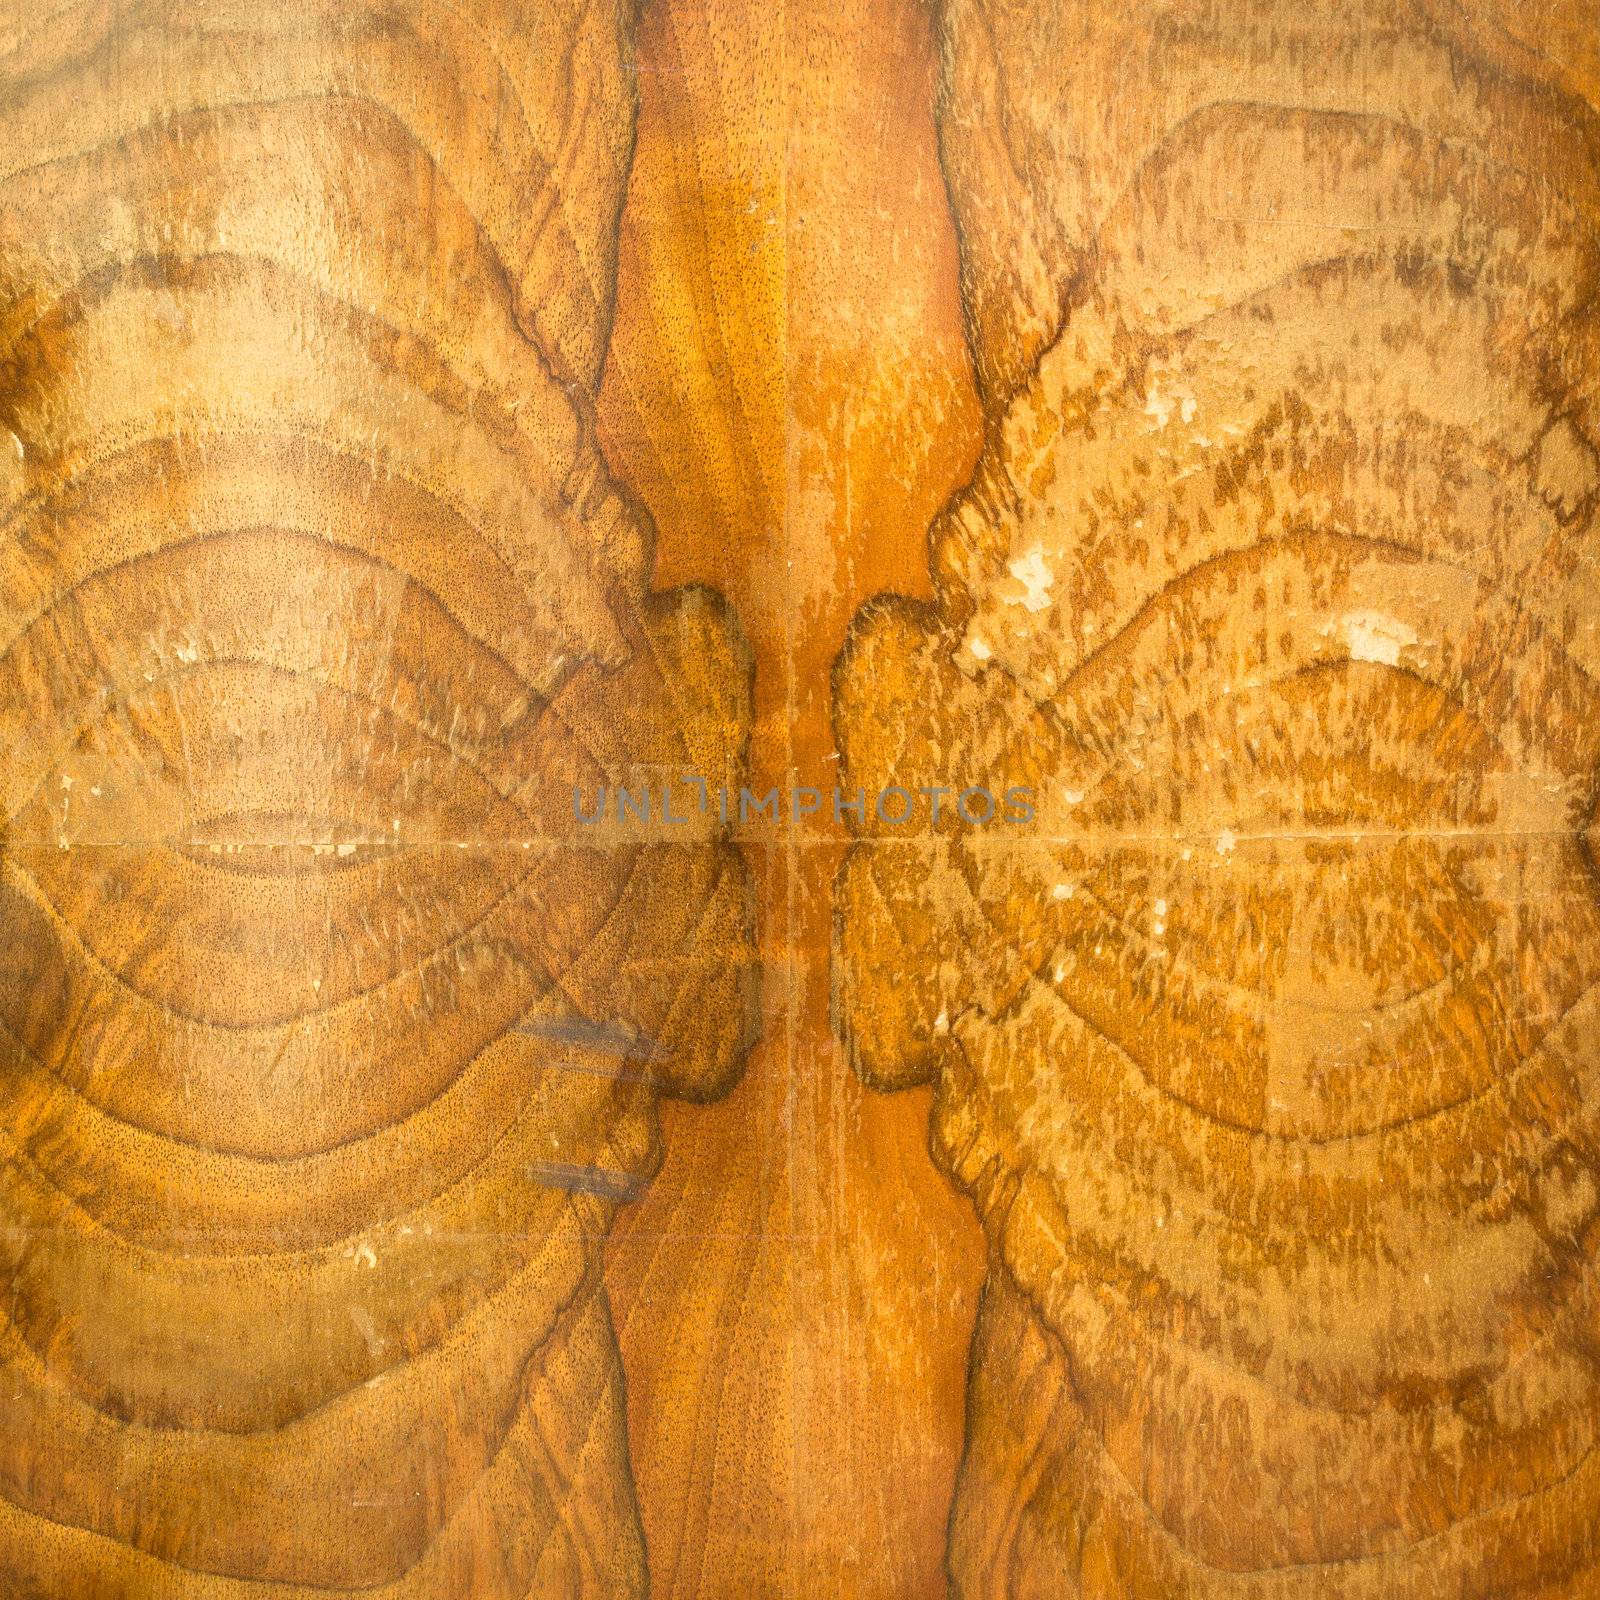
(329,1050)
(789,391)
(331,1046)
(1269,1053)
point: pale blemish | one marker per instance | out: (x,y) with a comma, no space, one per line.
(1161,406)
(1036,578)
(368,1330)
(1375,636)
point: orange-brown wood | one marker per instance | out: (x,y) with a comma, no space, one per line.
(1268,1050)
(789,391)
(330,1040)
(418,416)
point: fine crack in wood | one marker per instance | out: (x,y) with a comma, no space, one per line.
(1269,1053)
(316,601)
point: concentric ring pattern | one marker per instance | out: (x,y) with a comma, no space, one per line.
(1269,1051)
(330,1039)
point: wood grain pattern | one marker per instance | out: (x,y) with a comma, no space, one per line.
(789,390)
(1242,356)
(329,1051)
(1269,1055)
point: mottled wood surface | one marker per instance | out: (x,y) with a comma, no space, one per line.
(1269,1056)
(1189,410)
(327,1051)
